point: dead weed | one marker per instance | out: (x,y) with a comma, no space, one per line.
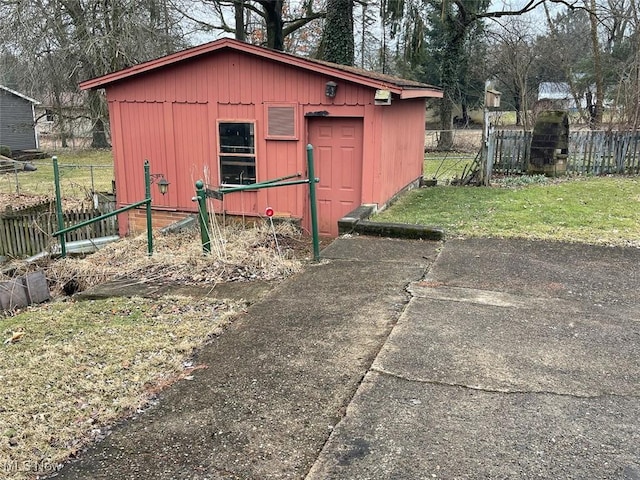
(240,254)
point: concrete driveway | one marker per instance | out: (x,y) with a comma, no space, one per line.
(513,359)
(391,359)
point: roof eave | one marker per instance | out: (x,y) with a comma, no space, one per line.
(105,80)
(18,94)
(421,93)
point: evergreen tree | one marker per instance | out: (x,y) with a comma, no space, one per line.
(452,40)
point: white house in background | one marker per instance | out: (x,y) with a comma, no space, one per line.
(71,106)
(17,120)
(559,93)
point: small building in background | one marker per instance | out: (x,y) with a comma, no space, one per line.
(232,113)
(558,96)
(17,120)
(63,120)
(492,98)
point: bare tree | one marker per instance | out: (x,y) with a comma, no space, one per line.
(512,59)
(265,22)
(64,41)
(595,109)
(451,24)
(619,38)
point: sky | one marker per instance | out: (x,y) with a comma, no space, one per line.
(199,9)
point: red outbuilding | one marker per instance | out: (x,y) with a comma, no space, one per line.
(232,113)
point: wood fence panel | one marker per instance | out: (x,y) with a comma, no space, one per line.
(29,233)
(590,152)
(512,151)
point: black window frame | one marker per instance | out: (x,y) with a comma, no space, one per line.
(237,152)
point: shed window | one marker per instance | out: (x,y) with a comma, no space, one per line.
(237,153)
(281,122)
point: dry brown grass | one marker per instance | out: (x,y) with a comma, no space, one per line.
(80,366)
(245,254)
(77,367)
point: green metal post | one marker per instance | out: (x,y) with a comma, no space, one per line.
(312,201)
(203,216)
(59,214)
(147,196)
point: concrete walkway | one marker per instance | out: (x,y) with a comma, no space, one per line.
(503,359)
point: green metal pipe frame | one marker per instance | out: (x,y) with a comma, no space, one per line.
(101,217)
(59,214)
(147,196)
(280,179)
(313,206)
(259,186)
(147,201)
(203,216)
(202,193)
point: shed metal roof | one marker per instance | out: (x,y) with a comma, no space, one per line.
(402,87)
(554,91)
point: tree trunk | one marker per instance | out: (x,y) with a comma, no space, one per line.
(445,142)
(517,103)
(98,129)
(596,116)
(60,121)
(591,109)
(448,81)
(99,135)
(273,16)
(239,17)
(465,114)
(337,44)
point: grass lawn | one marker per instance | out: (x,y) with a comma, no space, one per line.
(446,165)
(76,174)
(79,366)
(600,210)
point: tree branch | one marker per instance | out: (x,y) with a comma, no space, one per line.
(530,6)
(208,26)
(293,25)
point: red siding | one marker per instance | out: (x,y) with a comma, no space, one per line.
(402,149)
(170,115)
(142,128)
(193,153)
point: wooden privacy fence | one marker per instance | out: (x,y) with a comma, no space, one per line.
(590,152)
(25,233)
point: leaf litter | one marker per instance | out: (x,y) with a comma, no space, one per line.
(246,254)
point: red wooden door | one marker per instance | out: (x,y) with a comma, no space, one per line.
(337,149)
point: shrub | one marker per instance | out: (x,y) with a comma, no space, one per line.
(4,150)
(521,181)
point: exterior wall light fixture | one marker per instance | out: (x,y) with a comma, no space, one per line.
(163,184)
(330,89)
